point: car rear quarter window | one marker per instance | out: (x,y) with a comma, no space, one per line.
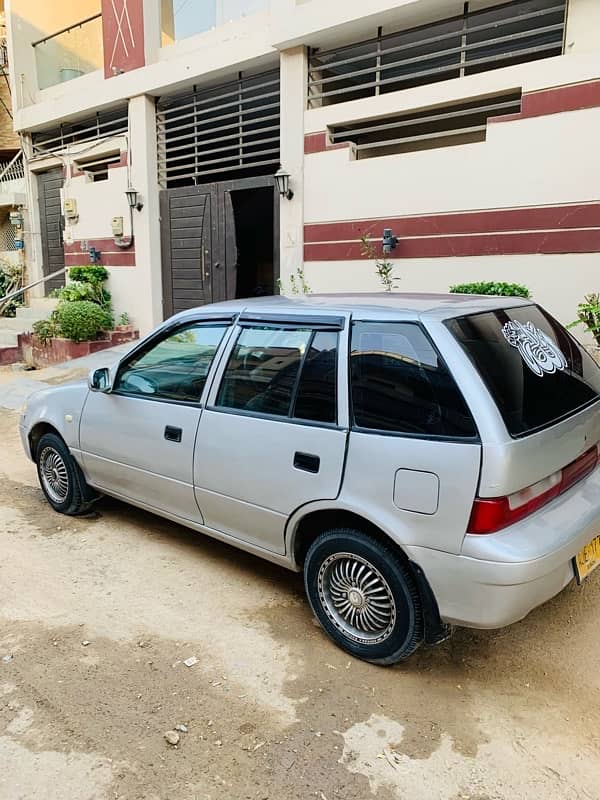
(535,371)
(400,384)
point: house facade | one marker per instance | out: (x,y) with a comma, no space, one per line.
(469,130)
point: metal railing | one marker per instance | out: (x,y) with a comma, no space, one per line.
(101,125)
(222,131)
(476,41)
(23,289)
(12,170)
(69,52)
(442,126)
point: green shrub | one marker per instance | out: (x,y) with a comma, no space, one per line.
(588,314)
(82,320)
(11,279)
(46,329)
(90,273)
(498,288)
(78,290)
(87,283)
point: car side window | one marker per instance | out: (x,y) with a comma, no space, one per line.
(176,367)
(282,372)
(316,398)
(399,383)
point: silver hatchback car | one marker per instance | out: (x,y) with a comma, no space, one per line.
(426,460)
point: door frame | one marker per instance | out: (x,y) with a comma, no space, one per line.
(223,239)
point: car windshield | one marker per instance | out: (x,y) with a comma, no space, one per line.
(536,372)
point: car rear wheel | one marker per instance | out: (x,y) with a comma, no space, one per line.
(364,596)
(61,478)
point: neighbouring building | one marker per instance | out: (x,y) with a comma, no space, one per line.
(470,129)
(12,176)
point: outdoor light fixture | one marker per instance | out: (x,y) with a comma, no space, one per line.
(389,241)
(283,183)
(132,199)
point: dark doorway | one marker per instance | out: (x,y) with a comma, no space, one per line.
(219,241)
(254,223)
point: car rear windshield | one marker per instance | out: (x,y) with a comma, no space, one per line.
(534,369)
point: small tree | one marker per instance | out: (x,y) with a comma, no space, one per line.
(384,269)
(298,284)
(588,314)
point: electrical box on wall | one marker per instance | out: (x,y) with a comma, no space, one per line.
(117,226)
(70,208)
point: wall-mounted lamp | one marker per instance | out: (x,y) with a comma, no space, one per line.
(133,199)
(389,241)
(282,178)
(94,255)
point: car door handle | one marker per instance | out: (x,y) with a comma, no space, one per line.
(173,434)
(307,462)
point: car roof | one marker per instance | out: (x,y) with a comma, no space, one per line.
(364,306)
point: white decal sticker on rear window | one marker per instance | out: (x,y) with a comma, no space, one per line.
(537,349)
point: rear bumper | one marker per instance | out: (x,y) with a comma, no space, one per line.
(498,579)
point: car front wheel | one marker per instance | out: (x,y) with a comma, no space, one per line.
(364,596)
(61,478)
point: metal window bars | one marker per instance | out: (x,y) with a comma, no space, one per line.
(225,130)
(443,126)
(102,125)
(511,33)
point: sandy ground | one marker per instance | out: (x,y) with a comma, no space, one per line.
(98,615)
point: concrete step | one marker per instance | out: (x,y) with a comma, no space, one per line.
(8,338)
(19,324)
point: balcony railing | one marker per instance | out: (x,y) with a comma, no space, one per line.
(69,52)
(12,175)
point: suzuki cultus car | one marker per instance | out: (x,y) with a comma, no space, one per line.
(426,460)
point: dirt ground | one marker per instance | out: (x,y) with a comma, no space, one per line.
(97,616)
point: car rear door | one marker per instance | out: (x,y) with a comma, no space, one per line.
(273,434)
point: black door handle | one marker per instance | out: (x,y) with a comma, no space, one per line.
(307,462)
(173,434)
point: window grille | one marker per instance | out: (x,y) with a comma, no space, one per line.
(96,169)
(219,133)
(7,234)
(101,126)
(442,126)
(500,36)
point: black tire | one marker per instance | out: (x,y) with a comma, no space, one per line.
(382,596)
(61,478)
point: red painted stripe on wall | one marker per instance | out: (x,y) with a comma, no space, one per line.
(573,97)
(319,143)
(111,255)
(534,242)
(581,215)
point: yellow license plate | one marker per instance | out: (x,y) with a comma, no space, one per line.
(587,559)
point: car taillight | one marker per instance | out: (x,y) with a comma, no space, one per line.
(492,514)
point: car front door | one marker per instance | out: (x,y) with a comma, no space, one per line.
(271,438)
(137,441)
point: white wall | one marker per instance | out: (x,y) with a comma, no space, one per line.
(538,161)
(558,282)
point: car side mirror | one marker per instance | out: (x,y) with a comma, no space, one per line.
(99,380)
